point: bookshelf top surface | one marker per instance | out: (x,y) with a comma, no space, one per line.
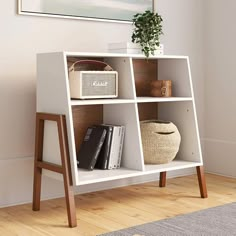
(107,54)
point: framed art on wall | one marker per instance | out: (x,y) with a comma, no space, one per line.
(102,10)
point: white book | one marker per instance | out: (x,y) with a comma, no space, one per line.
(129,45)
(121,146)
(131,48)
(134,51)
(115,147)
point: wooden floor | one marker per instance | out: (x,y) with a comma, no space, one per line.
(119,208)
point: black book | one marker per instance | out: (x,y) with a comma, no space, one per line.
(91,147)
(103,158)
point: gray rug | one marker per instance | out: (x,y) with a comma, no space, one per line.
(217,221)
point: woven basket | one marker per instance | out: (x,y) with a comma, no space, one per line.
(161,141)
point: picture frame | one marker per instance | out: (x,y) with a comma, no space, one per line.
(120,11)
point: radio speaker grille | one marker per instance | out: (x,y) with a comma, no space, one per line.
(98,84)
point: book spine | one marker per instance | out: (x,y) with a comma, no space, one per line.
(113,148)
(121,146)
(108,147)
(94,160)
(117,148)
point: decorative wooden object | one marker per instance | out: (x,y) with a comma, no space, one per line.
(161,88)
(64,168)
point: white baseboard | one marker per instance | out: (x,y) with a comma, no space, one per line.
(219,157)
(16,181)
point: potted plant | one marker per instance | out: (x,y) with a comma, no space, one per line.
(147,31)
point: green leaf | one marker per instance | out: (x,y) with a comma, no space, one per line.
(147,31)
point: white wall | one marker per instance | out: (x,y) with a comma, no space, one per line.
(21,37)
(184,35)
(220,116)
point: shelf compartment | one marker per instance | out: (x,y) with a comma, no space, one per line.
(175,69)
(182,115)
(117,114)
(122,65)
(163,99)
(97,176)
(101,101)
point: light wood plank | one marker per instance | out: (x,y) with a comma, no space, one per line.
(111,210)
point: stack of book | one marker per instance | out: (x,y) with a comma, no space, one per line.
(102,147)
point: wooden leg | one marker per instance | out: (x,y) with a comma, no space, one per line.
(37,189)
(38,157)
(68,185)
(64,169)
(162,181)
(201,181)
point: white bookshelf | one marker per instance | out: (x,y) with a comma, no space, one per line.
(128,109)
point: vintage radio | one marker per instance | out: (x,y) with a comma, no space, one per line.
(91,79)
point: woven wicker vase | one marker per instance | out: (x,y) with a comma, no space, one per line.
(161,141)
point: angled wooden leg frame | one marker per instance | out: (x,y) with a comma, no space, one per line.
(64,169)
(201,181)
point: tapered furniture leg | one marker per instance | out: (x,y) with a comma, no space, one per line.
(64,168)
(38,158)
(162,181)
(65,160)
(201,181)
